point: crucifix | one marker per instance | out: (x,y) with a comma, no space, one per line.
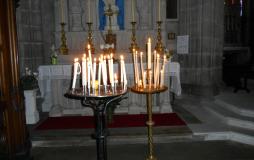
(110,37)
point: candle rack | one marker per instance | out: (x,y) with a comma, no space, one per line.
(148,91)
(159,47)
(99,104)
(134,45)
(63,48)
(90,36)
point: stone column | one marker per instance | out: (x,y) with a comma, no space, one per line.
(201,69)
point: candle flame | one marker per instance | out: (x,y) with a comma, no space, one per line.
(141,53)
(75,59)
(121,57)
(88,46)
(149,40)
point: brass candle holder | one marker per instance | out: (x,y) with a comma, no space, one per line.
(63,48)
(159,45)
(90,36)
(134,45)
(149,90)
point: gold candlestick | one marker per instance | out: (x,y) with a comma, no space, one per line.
(90,37)
(159,45)
(148,91)
(134,45)
(63,48)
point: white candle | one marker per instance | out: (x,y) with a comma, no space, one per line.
(164,62)
(94,73)
(136,56)
(89,11)
(149,53)
(150,78)
(84,71)
(112,68)
(124,75)
(144,83)
(157,70)
(133,10)
(159,10)
(62,11)
(134,67)
(76,71)
(88,74)
(121,69)
(162,79)
(89,52)
(154,66)
(99,73)
(142,68)
(104,72)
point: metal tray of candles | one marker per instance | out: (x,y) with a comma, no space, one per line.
(99,93)
(148,90)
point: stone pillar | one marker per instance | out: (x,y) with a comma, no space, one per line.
(201,69)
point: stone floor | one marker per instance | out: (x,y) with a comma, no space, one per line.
(209,150)
(206,136)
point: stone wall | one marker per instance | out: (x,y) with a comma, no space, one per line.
(39,28)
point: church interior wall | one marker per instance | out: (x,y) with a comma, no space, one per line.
(201,20)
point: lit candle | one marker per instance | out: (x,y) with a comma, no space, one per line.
(164,62)
(121,69)
(94,73)
(84,71)
(162,79)
(142,68)
(99,73)
(150,78)
(136,57)
(62,11)
(159,10)
(112,68)
(89,11)
(88,74)
(89,52)
(133,10)
(154,66)
(144,82)
(149,53)
(140,83)
(104,73)
(157,70)
(115,76)
(124,76)
(134,67)
(76,71)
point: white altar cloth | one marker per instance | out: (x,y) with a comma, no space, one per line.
(55,80)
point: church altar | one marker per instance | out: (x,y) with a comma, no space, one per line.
(54,81)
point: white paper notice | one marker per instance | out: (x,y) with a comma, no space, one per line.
(183,44)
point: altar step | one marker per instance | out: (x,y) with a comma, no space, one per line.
(238,127)
(229,115)
(82,137)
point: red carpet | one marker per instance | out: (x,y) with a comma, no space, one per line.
(119,121)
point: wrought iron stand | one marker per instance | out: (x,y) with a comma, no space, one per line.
(99,104)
